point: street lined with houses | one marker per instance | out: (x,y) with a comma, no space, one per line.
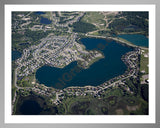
(56,51)
(130,59)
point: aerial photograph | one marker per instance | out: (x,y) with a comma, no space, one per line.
(80,62)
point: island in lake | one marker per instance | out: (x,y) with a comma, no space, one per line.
(80,63)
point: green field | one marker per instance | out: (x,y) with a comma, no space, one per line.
(95,18)
(26,81)
(113,102)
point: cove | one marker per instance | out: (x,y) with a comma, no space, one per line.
(99,72)
(45,20)
(15,55)
(137,39)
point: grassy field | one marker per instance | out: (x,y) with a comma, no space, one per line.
(113,102)
(27,81)
(95,18)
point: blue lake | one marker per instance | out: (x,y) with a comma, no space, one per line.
(16,55)
(39,13)
(137,39)
(102,70)
(45,20)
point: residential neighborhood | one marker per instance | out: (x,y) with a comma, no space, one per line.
(92,67)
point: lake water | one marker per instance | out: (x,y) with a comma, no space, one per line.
(30,107)
(137,39)
(16,55)
(39,13)
(102,70)
(34,105)
(45,20)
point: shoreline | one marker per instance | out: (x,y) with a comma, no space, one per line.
(88,86)
(121,40)
(102,37)
(91,86)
